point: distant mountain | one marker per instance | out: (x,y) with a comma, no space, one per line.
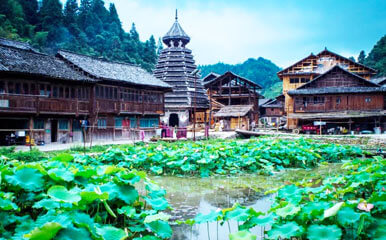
(261,71)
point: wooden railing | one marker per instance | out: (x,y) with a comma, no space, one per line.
(42,104)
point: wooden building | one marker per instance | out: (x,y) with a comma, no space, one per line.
(47,97)
(272,111)
(340,98)
(299,76)
(229,91)
(176,67)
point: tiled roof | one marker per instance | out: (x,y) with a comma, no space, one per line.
(113,71)
(234,111)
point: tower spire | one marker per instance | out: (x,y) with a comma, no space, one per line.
(176,16)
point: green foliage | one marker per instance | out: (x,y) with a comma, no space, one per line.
(351,206)
(261,71)
(377,57)
(89,29)
(27,156)
(225,157)
(61,198)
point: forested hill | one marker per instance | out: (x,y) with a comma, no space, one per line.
(88,28)
(261,71)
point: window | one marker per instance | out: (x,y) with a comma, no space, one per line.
(76,125)
(38,124)
(304,80)
(133,122)
(102,124)
(294,80)
(2,87)
(73,93)
(97,91)
(48,90)
(25,88)
(148,122)
(11,87)
(368,99)
(67,92)
(55,92)
(63,124)
(318,100)
(33,89)
(42,91)
(17,88)
(61,92)
(338,100)
(115,93)
(118,123)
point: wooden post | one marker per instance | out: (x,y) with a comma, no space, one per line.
(31,122)
(320,126)
(229,93)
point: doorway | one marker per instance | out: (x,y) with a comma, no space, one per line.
(54,130)
(173,120)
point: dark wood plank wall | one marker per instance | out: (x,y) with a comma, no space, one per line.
(334,103)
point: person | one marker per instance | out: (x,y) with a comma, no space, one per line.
(163,131)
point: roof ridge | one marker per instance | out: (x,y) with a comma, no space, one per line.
(99,59)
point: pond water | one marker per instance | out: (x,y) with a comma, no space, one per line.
(189,196)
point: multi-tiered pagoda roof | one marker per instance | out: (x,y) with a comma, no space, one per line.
(176,67)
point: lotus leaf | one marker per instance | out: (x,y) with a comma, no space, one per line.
(127,210)
(29,179)
(46,232)
(347,216)
(285,231)
(6,204)
(158,203)
(159,216)
(47,204)
(204,218)
(73,233)
(323,232)
(111,233)
(61,174)
(161,228)
(61,194)
(288,210)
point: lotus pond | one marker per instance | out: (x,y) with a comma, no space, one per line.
(202,190)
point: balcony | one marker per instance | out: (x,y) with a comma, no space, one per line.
(36,104)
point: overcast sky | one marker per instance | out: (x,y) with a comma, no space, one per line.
(282,31)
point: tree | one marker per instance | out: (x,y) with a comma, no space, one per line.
(70,16)
(30,8)
(51,14)
(361,57)
(159,46)
(352,58)
(133,33)
(377,57)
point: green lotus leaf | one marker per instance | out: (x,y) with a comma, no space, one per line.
(46,204)
(213,216)
(347,216)
(159,216)
(73,233)
(63,157)
(156,170)
(188,167)
(160,228)
(323,232)
(285,231)
(84,220)
(61,174)
(86,172)
(238,214)
(290,193)
(46,232)
(27,178)
(111,233)
(6,204)
(127,193)
(108,169)
(242,235)
(128,178)
(260,221)
(159,203)
(127,210)
(61,194)
(90,196)
(313,210)
(333,210)
(288,210)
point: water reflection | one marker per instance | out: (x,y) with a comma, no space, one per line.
(190,196)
